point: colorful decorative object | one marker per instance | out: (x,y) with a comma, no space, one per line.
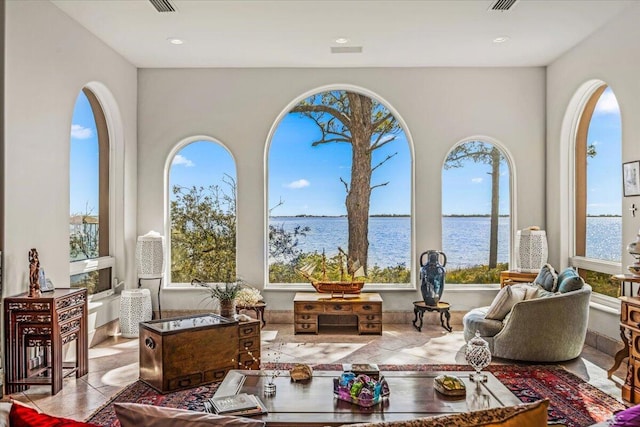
(531,249)
(361,389)
(478,357)
(432,276)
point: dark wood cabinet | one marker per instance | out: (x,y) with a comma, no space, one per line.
(630,333)
(184,352)
(40,327)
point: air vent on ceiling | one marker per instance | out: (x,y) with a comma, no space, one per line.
(502,5)
(346,49)
(163,5)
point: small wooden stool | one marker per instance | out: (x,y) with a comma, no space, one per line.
(419,307)
(258,308)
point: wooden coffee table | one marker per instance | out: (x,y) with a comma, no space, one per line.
(412,396)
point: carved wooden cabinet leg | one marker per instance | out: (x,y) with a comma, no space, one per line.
(621,354)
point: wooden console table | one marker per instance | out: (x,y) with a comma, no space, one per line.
(630,334)
(49,322)
(509,277)
(367,307)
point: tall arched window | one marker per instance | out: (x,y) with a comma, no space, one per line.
(476,212)
(89,196)
(202,213)
(598,192)
(339,185)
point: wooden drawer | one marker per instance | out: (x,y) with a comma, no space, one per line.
(369,328)
(249,343)
(249,329)
(306,318)
(633,316)
(367,308)
(306,327)
(370,318)
(248,360)
(308,307)
(338,307)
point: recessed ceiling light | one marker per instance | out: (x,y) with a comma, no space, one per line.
(501,39)
(174,40)
(342,40)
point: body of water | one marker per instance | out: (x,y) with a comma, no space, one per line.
(465,239)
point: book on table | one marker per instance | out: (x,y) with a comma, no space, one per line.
(239,404)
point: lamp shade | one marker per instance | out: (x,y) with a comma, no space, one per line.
(531,249)
(150,255)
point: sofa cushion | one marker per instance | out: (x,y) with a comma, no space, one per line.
(568,281)
(23,416)
(5,409)
(138,415)
(530,290)
(524,415)
(475,320)
(504,301)
(547,278)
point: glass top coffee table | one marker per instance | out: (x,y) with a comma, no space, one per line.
(412,396)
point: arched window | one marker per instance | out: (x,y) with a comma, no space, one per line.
(202,213)
(598,193)
(476,212)
(339,191)
(89,196)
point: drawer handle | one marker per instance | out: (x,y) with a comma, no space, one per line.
(337,307)
(367,307)
(306,326)
(306,317)
(371,316)
(248,363)
(309,307)
(247,331)
(184,382)
(150,343)
(248,344)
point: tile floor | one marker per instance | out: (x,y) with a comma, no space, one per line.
(114,363)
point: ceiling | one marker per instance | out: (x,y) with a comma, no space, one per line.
(300,33)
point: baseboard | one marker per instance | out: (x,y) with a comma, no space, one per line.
(603,343)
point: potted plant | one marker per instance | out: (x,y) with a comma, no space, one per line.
(225,294)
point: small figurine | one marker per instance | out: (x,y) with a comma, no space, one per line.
(34,274)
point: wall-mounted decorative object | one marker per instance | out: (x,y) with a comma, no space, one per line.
(531,249)
(631,178)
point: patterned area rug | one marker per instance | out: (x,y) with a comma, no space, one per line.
(574,402)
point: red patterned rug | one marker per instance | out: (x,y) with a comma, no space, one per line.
(574,402)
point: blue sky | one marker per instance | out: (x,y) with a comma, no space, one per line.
(307,179)
(83,159)
(604,171)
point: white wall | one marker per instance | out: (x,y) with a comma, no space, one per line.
(611,55)
(440,106)
(49,58)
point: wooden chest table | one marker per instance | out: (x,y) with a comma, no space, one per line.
(184,352)
(366,307)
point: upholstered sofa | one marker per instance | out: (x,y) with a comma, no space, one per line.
(543,329)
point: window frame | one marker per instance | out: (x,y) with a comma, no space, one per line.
(589,94)
(106,193)
(168,283)
(513,193)
(368,287)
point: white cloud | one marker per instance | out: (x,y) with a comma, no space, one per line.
(183,161)
(476,180)
(80,132)
(607,104)
(295,185)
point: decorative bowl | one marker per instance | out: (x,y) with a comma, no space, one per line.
(361,390)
